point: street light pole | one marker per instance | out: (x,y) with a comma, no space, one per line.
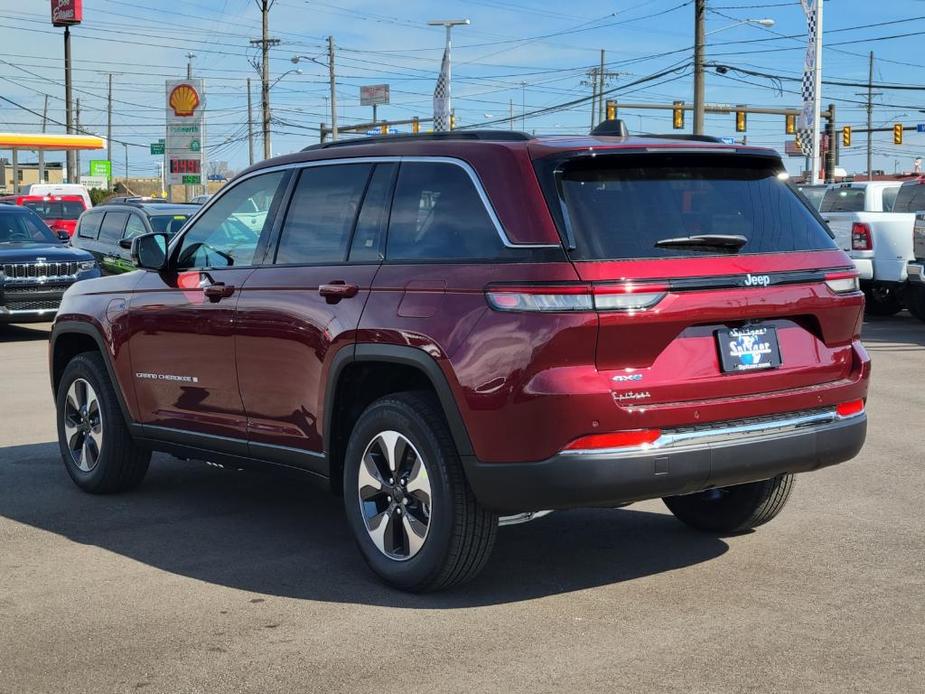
(69,116)
(700,12)
(449,24)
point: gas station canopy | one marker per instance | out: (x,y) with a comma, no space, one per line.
(50,141)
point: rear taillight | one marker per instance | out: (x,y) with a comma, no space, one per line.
(861,239)
(625,296)
(615,439)
(852,408)
(842,282)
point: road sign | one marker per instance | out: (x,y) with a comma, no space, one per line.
(373,94)
(157,147)
(920,127)
(101,168)
(728,140)
(91,182)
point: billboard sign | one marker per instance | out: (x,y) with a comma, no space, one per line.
(66,12)
(184,144)
(792,149)
(101,168)
(91,182)
(374,94)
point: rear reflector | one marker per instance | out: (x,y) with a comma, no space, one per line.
(850,408)
(625,296)
(616,439)
(861,239)
(842,282)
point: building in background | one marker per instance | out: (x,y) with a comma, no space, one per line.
(28,173)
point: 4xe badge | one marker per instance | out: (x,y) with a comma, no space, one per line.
(748,348)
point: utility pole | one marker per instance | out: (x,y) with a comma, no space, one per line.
(600,90)
(265,42)
(109,122)
(250,126)
(42,151)
(700,13)
(333,88)
(189,64)
(125,144)
(511,105)
(870,117)
(67,101)
(817,92)
(76,152)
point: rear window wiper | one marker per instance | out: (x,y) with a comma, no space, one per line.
(730,242)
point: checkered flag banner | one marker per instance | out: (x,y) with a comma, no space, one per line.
(442,96)
(804,135)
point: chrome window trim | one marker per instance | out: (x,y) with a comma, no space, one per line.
(723,433)
(465,166)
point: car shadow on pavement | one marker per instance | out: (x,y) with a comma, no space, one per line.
(24,333)
(899,333)
(274,535)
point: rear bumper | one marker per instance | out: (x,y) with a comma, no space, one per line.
(865,268)
(915,271)
(606,478)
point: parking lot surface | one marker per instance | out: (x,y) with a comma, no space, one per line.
(211,580)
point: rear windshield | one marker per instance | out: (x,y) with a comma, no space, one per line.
(911,198)
(55,210)
(843,200)
(623,207)
(168,223)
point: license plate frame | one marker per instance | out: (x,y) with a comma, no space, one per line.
(750,348)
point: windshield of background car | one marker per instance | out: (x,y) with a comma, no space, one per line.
(55,209)
(619,207)
(24,227)
(843,200)
(911,198)
(168,223)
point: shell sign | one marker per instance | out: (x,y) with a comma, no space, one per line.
(183,100)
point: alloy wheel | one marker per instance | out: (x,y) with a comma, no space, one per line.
(83,425)
(395,495)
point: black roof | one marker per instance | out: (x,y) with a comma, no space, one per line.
(152,208)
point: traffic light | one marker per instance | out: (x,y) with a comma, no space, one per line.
(898,134)
(790,126)
(611,109)
(384,129)
(846,136)
(677,115)
(741,121)
(415,125)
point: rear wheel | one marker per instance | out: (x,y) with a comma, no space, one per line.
(915,301)
(732,509)
(883,300)
(407,501)
(96,447)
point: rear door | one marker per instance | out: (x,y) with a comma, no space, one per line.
(303,305)
(709,276)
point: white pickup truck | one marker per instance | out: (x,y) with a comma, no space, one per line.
(915,290)
(873,222)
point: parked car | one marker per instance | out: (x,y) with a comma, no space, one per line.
(59,212)
(813,193)
(35,267)
(915,290)
(42,189)
(874,226)
(107,230)
(200,199)
(457,330)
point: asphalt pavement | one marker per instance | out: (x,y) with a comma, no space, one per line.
(205,580)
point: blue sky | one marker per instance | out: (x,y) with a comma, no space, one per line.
(531,53)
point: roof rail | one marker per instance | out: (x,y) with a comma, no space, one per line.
(683,138)
(484,135)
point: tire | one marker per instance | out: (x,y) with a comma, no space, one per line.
(915,301)
(882,300)
(732,509)
(118,463)
(411,544)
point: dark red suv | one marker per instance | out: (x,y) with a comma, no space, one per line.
(458,330)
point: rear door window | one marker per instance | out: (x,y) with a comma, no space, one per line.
(620,207)
(438,214)
(911,198)
(322,214)
(843,200)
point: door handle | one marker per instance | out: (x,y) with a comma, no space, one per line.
(337,290)
(218,291)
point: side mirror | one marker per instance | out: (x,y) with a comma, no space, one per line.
(149,251)
(63,236)
(126,244)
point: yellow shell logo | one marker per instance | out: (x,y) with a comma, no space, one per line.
(183,100)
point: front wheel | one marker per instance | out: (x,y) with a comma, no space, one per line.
(882,300)
(412,513)
(732,509)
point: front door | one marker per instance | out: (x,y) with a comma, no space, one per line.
(304,305)
(182,320)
